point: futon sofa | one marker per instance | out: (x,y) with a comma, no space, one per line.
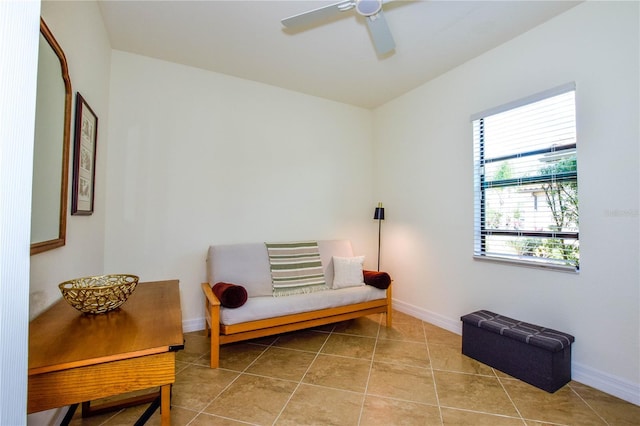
(242,277)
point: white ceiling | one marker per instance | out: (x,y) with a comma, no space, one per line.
(334,60)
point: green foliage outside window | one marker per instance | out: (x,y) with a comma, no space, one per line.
(562,199)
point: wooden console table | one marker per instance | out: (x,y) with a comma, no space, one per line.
(76,358)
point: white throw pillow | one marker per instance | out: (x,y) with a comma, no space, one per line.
(347,271)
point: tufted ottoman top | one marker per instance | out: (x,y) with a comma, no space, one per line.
(546,338)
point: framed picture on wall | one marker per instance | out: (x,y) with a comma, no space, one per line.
(84,158)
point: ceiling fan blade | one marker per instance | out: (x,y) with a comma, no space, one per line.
(318,15)
(380,33)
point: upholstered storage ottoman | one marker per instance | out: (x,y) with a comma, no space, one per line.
(537,355)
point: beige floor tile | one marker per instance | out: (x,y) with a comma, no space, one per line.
(453,417)
(404,318)
(124,417)
(365,326)
(404,330)
(203,361)
(563,407)
(304,340)
(195,343)
(614,410)
(351,346)
(503,375)
(474,393)
(253,399)
(402,382)
(102,419)
(265,341)
(182,365)
(279,363)
(190,357)
(238,356)
(197,386)
(339,372)
(449,358)
(396,351)
(399,383)
(326,328)
(315,405)
(378,318)
(384,412)
(441,336)
(179,417)
(204,419)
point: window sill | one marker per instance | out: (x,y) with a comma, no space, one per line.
(528,264)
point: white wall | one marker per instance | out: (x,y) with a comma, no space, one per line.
(197,158)
(78,28)
(424,146)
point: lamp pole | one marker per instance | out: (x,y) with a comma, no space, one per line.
(379,215)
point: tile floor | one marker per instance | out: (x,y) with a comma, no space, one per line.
(361,373)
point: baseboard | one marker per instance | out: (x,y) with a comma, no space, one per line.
(454,326)
(193,325)
(604,382)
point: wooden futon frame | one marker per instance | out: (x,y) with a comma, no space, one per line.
(222,334)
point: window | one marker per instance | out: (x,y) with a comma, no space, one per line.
(526,181)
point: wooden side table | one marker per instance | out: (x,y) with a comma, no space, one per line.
(76,358)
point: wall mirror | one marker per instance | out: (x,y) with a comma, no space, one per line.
(51,146)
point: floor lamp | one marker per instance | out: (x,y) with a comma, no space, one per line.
(379,216)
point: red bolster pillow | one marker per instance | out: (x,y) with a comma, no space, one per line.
(230,295)
(380,280)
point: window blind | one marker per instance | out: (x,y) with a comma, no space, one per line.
(526,181)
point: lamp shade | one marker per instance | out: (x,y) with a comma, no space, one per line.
(379,213)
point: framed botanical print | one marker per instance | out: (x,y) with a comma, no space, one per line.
(84,158)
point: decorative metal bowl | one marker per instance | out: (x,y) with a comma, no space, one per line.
(99,294)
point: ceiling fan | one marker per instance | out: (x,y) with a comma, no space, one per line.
(370,9)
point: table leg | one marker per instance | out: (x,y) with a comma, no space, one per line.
(148,412)
(70,412)
(165,405)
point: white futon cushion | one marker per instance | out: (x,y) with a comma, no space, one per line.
(258,308)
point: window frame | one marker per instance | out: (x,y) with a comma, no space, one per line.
(481,184)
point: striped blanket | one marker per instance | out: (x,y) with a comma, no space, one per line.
(296,268)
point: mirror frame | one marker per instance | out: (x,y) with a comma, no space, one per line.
(39,247)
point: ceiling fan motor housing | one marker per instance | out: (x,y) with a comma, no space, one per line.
(368,7)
